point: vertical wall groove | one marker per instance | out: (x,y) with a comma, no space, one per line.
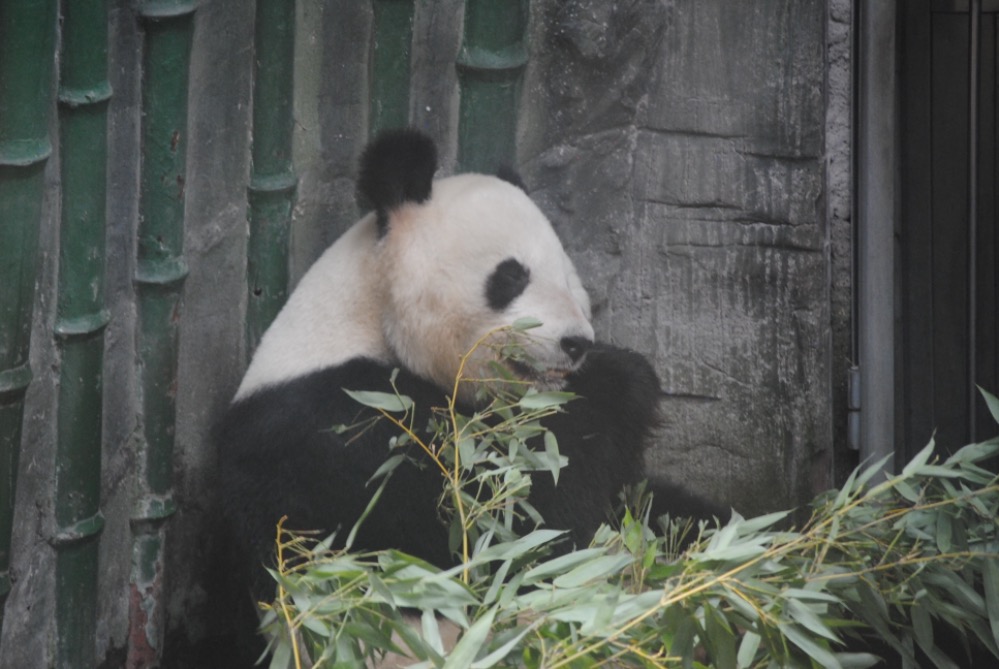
(390,62)
(160,273)
(875,196)
(273,182)
(27,45)
(974,69)
(84,92)
(490,67)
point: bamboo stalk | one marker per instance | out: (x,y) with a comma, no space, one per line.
(160,273)
(27,44)
(490,67)
(390,61)
(84,92)
(271,193)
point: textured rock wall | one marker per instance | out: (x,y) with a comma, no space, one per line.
(679,149)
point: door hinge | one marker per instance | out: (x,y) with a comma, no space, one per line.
(853,408)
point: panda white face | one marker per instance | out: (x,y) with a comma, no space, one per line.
(438,266)
(474,258)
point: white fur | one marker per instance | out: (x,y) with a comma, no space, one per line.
(332,316)
(417,296)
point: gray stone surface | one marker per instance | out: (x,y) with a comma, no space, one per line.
(679,149)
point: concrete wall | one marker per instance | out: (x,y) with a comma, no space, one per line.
(679,147)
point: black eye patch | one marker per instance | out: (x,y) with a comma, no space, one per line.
(507,281)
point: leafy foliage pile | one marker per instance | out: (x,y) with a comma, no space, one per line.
(902,558)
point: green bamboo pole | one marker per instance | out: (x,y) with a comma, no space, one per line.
(160,273)
(27,47)
(271,194)
(390,61)
(84,92)
(490,67)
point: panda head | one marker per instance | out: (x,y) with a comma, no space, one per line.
(461,259)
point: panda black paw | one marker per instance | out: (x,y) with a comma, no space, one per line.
(621,380)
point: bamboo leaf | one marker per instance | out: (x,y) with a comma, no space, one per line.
(519,547)
(633,606)
(371,635)
(748,647)
(498,580)
(922,626)
(945,533)
(938,471)
(811,595)
(281,658)
(923,633)
(685,631)
(919,460)
(315,624)
(464,652)
(871,471)
(504,649)
(990,584)
(846,492)
(759,523)
(343,650)
(821,655)
(742,606)
(388,466)
(466,451)
(724,537)
(414,642)
(390,402)
(535,401)
(561,564)
(907,491)
(873,610)
(367,510)
(526,323)
(380,589)
(431,631)
(720,638)
(810,620)
(857,660)
(955,586)
(992,402)
(599,568)
(973,453)
(551,449)
(737,553)
(983,633)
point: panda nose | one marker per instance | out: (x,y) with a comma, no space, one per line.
(575,347)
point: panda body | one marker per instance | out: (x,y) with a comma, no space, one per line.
(410,289)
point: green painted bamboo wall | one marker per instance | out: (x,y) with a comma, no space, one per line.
(272,180)
(84,93)
(27,40)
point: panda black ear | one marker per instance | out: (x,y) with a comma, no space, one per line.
(397,167)
(510,175)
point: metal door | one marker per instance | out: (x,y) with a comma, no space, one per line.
(948,299)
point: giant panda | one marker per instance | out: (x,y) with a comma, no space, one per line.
(409,289)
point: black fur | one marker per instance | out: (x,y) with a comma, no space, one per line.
(397,167)
(508,280)
(278,457)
